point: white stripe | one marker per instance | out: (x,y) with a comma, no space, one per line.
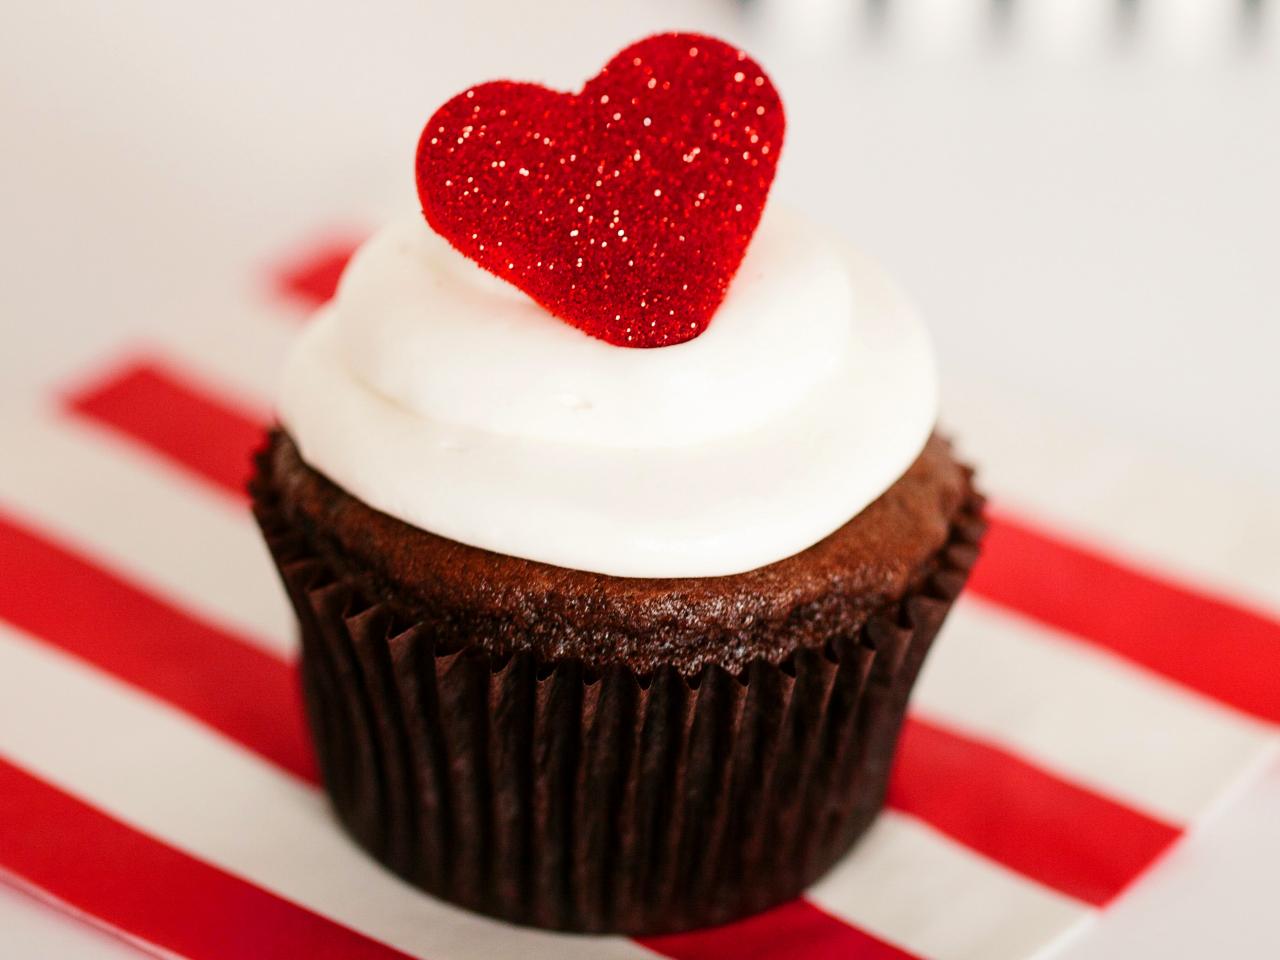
(924,892)
(145,519)
(1207,527)
(239,357)
(35,925)
(1084,713)
(157,770)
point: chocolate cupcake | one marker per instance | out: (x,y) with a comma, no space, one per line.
(598,637)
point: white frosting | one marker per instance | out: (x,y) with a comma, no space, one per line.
(432,331)
(443,396)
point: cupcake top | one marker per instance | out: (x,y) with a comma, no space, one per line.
(457,383)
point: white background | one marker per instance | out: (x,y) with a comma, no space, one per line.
(1084,202)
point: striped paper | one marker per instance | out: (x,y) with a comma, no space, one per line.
(1098,688)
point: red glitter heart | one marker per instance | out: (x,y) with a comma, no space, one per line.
(624,209)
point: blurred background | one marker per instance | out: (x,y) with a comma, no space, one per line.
(1082,196)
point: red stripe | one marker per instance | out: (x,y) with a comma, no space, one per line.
(134,883)
(215,676)
(186,425)
(312,279)
(1203,642)
(1064,836)
(796,929)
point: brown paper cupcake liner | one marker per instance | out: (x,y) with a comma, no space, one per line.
(544,793)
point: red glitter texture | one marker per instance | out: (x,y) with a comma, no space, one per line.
(624,209)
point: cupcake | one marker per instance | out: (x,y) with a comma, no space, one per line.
(611,508)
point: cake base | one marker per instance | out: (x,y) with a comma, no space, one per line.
(546,792)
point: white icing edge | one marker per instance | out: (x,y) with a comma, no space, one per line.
(715,508)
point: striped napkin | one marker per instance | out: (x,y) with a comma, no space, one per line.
(1108,675)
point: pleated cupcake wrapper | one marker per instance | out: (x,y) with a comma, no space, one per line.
(546,794)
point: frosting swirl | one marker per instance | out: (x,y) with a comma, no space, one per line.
(439,394)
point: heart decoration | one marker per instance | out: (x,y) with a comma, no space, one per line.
(625,209)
